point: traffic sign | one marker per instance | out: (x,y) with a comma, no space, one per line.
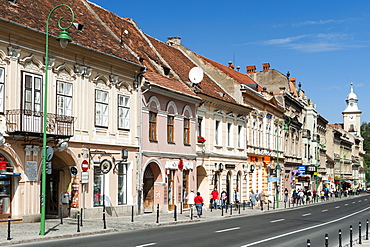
(73,170)
(84,166)
(84,177)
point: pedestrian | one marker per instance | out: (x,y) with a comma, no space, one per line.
(223,198)
(214,195)
(301,196)
(253,199)
(190,200)
(236,197)
(286,194)
(261,198)
(294,196)
(198,200)
(314,192)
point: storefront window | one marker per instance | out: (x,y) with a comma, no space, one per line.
(98,186)
(170,188)
(122,184)
(185,191)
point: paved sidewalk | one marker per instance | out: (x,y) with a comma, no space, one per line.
(29,232)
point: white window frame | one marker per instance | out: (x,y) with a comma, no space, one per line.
(64,98)
(101,108)
(218,132)
(123,112)
(2,89)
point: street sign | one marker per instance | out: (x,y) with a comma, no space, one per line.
(84,166)
(273,179)
(84,177)
(49,168)
(73,170)
(49,153)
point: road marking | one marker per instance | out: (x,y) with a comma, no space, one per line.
(359,201)
(304,229)
(150,244)
(324,210)
(273,221)
(346,204)
(230,229)
(337,207)
(306,214)
(353,202)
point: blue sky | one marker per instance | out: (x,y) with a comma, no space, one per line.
(324,44)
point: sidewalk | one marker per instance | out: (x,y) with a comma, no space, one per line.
(29,232)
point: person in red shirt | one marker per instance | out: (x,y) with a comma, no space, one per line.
(198,200)
(214,194)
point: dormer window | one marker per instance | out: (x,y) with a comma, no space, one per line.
(166,70)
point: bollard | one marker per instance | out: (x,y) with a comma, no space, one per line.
(181,207)
(157,214)
(268,205)
(82,213)
(227,205)
(243,204)
(61,215)
(273,205)
(359,233)
(175,216)
(132,214)
(78,221)
(367,229)
(326,240)
(191,213)
(308,243)
(222,211)
(211,206)
(284,204)
(239,208)
(350,236)
(340,238)
(8,238)
(231,209)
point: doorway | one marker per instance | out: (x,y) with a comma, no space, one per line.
(52,188)
(148,190)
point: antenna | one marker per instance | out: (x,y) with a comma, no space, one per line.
(196,75)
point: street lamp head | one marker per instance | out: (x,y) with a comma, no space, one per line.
(64,39)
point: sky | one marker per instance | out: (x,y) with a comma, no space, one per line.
(324,44)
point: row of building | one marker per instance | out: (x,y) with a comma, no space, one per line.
(130,125)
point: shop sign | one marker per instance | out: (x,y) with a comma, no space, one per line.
(188,165)
(229,166)
(171,165)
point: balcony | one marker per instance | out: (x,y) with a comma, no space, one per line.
(30,123)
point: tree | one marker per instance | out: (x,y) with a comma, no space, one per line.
(365,133)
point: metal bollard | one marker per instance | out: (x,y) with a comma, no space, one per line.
(227,205)
(308,243)
(157,214)
(231,209)
(239,208)
(82,213)
(78,222)
(104,222)
(359,233)
(268,205)
(132,214)
(8,238)
(181,205)
(340,238)
(350,236)
(243,204)
(326,240)
(222,211)
(61,215)
(191,213)
(175,215)
(367,229)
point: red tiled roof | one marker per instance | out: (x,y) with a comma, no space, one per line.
(236,75)
(181,65)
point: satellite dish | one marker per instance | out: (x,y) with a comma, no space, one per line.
(196,75)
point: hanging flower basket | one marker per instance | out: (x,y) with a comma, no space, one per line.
(201,139)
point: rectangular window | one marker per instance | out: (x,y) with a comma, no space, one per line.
(123,112)
(170,129)
(152,126)
(187,131)
(217,134)
(200,120)
(240,136)
(32,92)
(122,184)
(229,137)
(101,108)
(2,84)
(98,186)
(64,98)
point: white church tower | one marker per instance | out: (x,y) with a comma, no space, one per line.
(352,115)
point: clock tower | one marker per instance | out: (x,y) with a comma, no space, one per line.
(352,115)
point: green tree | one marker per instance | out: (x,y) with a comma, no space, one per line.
(365,133)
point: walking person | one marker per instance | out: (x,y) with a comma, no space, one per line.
(198,200)
(236,197)
(253,199)
(286,194)
(214,195)
(261,198)
(223,198)
(190,200)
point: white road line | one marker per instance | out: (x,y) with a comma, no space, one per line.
(273,221)
(304,229)
(230,229)
(359,201)
(353,202)
(346,204)
(337,207)
(324,210)
(150,244)
(306,214)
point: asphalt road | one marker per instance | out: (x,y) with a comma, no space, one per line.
(287,228)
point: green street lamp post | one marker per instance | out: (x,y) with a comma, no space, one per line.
(277,166)
(63,39)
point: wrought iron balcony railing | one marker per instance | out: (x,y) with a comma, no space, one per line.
(30,123)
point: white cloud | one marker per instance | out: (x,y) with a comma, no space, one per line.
(321,22)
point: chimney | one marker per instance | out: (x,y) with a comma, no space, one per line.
(265,67)
(282,90)
(251,69)
(292,80)
(176,40)
(231,65)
